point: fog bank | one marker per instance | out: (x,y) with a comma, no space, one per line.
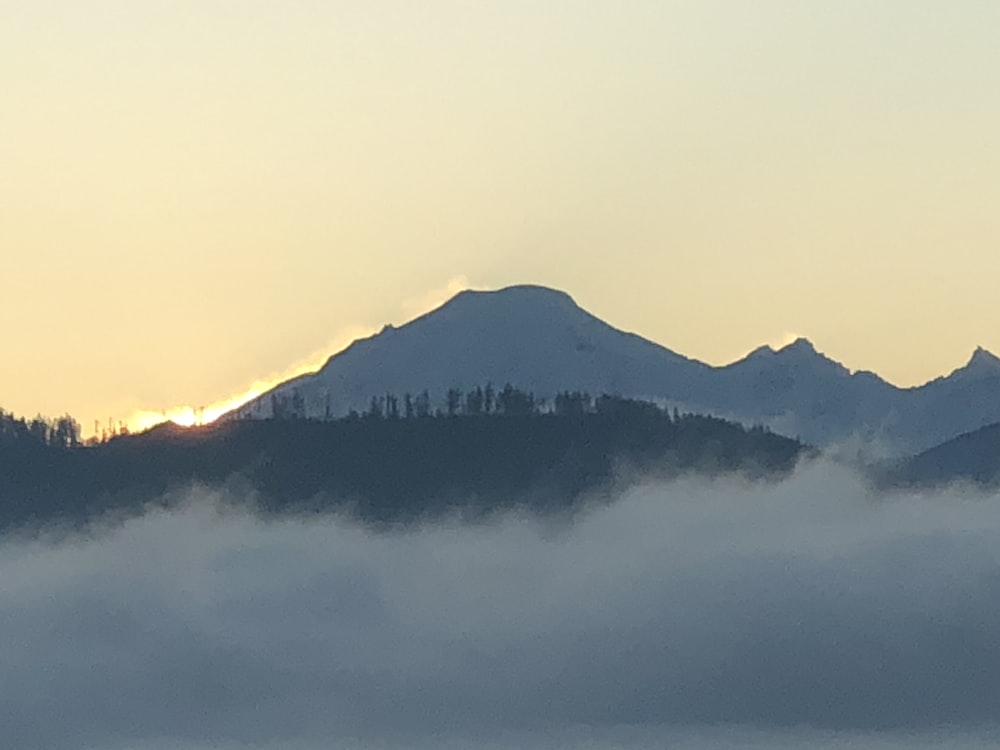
(757,610)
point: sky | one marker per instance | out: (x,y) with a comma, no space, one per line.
(695,615)
(200,198)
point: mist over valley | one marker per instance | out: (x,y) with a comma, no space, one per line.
(697,612)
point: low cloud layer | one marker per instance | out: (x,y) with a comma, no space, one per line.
(808,604)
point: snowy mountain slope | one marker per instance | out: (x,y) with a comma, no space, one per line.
(540,340)
(535,338)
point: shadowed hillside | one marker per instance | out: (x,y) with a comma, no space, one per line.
(387,468)
(973,457)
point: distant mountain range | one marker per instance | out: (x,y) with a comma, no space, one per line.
(540,340)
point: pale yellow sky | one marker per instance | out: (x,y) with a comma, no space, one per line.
(199,196)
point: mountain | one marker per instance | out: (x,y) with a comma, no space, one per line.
(974,457)
(961,402)
(799,391)
(533,337)
(540,340)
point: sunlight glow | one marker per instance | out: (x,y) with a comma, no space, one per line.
(191,416)
(786,338)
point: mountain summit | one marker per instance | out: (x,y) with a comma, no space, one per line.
(539,340)
(535,338)
(982,363)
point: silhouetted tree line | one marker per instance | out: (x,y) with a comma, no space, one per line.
(482,451)
(480,401)
(61,432)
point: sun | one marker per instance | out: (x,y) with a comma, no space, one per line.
(190,416)
(193,416)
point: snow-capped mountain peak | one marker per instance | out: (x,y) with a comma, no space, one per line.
(540,340)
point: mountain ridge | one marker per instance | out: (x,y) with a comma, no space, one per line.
(540,340)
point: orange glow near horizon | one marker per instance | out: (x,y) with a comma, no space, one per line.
(191,416)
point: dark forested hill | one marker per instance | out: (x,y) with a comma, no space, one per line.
(972,457)
(387,468)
